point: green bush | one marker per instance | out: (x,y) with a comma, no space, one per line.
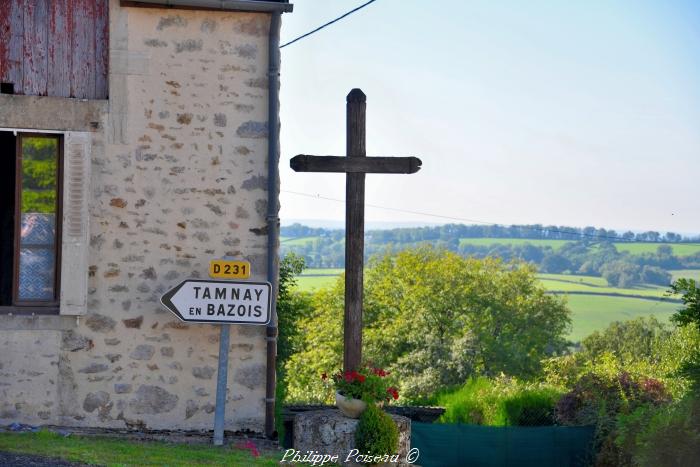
(377,434)
(600,400)
(500,402)
(667,435)
(659,354)
(291,307)
(530,408)
(671,438)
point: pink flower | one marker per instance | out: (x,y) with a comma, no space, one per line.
(249,445)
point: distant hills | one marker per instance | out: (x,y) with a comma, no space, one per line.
(622,258)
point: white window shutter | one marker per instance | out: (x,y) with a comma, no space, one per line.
(74,231)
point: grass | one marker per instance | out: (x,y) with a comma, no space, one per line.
(635,248)
(586,280)
(322,271)
(298,241)
(499,402)
(595,312)
(309,283)
(116,452)
(596,286)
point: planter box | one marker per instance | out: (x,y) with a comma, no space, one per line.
(330,432)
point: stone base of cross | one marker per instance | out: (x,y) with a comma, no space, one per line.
(356,164)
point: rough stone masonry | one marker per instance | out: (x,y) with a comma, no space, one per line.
(179,167)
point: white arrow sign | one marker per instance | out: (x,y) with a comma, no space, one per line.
(226,302)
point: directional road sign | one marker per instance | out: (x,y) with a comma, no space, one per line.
(225,302)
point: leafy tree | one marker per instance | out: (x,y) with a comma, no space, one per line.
(628,340)
(555,263)
(655,275)
(39,158)
(621,273)
(434,318)
(292,306)
(690,295)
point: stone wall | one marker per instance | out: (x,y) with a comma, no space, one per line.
(179,167)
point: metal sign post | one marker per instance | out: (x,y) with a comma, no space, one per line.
(221,385)
(224,303)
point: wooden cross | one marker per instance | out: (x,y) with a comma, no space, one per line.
(355,165)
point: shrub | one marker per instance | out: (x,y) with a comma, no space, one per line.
(500,402)
(376,433)
(530,408)
(641,347)
(666,435)
(671,438)
(599,399)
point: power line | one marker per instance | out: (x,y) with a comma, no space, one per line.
(327,24)
(463,219)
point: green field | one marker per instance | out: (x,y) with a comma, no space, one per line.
(596,285)
(635,248)
(595,312)
(593,303)
(679,249)
(299,241)
(555,244)
(323,271)
(315,282)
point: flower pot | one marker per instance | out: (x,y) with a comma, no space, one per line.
(348,406)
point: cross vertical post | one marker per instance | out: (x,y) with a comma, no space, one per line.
(354,231)
(355,165)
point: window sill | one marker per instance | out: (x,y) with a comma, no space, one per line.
(29,310)
(10,321)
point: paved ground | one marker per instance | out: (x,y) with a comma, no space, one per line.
(24,460)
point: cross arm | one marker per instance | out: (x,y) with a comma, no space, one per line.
(387,165)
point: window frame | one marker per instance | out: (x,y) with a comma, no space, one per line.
(44,307)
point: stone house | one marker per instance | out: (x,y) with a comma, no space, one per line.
(138,141)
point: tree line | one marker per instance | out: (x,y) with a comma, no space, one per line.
(582,254)
(448,232)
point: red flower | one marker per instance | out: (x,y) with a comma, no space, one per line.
(393,392)
(361,378)
(379,372)
(349,377)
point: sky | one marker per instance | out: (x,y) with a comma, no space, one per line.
(570,113)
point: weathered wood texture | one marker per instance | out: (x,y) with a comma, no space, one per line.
(55,47)
(378,165)
(355,165)
(354,231)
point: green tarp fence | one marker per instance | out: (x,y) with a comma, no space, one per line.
(443,445)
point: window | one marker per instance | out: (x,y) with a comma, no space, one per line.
(30,221)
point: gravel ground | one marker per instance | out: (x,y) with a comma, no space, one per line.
(24,460)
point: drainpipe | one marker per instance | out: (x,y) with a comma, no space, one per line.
(272,215)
